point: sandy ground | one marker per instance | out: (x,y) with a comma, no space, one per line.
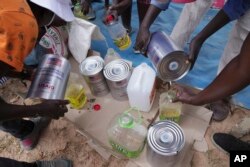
(61,139)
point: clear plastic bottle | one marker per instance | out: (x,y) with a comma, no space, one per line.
(111,55)
(127,133)
(141,87)
(168,109)
(118,33)
(75,92)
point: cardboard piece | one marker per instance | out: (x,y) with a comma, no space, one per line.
(94,124)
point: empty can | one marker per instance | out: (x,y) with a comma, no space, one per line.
(51,78)
(92,70)
(170,62)
(117,74)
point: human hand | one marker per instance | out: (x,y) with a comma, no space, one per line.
(194,48)
(184,95)
(52,108)
(142,41)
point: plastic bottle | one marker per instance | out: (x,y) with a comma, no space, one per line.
(117,32)
(111,55)
(141,87)
(169,110)
(127,133)
(75,92)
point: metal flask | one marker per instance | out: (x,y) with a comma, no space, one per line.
(51,78)
(170,62)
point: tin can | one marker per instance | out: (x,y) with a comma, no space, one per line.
(170,62)
(51,78)
(92,70)
(166,138)
(117,74)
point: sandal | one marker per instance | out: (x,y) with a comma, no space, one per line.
(220,109)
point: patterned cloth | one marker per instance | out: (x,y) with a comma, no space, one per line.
(18,32)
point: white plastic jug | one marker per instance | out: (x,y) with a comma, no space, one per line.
(141,87)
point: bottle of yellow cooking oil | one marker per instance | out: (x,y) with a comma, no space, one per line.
(75,92)
(168,109)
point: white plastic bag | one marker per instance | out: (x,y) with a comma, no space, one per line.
(80,34)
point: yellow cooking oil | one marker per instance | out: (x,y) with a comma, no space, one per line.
(76,95)
(172,114)
(168,109)
(123,42)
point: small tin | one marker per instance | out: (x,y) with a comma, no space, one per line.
(167,58)
(51,78)
(166,138)
(117,74)
(92,70)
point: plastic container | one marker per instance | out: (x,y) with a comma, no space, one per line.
(169,110)
(118,33)
(111,55)
(75,92)
(127,133)
(141,87)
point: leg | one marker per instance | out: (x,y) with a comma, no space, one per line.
(6,162)
(235,41)
(126,17)
(142,7)
(191,15)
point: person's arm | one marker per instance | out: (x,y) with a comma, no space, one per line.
(48,108)
(232,10)
(234,77)
(220,20)
(143,35)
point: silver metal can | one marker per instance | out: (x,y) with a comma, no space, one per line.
(51,78)
(168,59)
(166,138)
(92,70)
(117,74)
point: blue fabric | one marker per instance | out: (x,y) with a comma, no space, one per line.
(162,4)
(236,8)
(205,68)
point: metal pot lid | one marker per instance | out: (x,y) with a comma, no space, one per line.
(91,65)
(117,70)
(174,66)
(166,138)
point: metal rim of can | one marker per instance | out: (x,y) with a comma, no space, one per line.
(117,70)
(91,65)
(166,138)
(172,68)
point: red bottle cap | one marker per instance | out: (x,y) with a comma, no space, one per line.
(96,107)
(110,18)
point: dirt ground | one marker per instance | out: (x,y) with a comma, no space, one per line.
(61,139)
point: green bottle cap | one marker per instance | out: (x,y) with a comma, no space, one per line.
(126,121)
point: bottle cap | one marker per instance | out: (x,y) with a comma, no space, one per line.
(110,18)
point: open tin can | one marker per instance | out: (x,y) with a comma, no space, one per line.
(170,62)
